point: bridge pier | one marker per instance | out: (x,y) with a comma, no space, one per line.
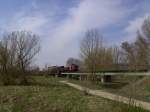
(106,78)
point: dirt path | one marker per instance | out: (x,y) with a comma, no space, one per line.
(110,96)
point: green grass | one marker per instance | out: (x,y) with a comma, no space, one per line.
(110,87)
(46,94)
(140,92)
(118,83)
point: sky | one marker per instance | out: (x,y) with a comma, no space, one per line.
(61,24)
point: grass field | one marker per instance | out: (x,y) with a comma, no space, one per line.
(46,94)
(140,91)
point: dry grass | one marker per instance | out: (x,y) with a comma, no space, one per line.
(47,95)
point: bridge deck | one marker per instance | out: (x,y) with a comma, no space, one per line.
(109,73)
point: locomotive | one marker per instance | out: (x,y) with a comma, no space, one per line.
(57,70)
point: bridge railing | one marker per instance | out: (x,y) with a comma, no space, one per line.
(112,74)
(104,77)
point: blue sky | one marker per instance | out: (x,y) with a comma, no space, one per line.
(61,24)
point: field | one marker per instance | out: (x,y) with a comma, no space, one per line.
(46,94)
(123,86)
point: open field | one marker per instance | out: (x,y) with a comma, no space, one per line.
(139,91)
(117,83)
(110,96)
(123,87)
(45,94)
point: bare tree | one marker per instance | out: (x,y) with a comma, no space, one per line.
(146,32)
(17,50)
(129,52)
(137,53)
(89,48)
(4,59)
(108,59)
(117,57)
(142,51)
(146,29)
(104,59)
(28,47)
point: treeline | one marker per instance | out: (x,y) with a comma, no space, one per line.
(17,50)
(130,56)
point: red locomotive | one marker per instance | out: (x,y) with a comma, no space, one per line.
(57,70)
(73,68)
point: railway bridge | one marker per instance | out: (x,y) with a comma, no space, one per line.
(104,77)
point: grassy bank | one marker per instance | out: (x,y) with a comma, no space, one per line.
(140,91)
(45,94)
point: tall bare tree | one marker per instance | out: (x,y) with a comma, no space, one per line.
(17,50)
(138,52)
(146,29)
(129,52)
(117,57)
(146,32)
(142,52)
(89,48)
(28,47)
(4,59)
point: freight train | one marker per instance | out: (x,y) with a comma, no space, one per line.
(57,70)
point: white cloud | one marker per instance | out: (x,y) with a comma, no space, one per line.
(28,23)
(21,21)
(27,18)
(87,15)
(134,26)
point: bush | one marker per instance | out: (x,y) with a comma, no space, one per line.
(13,77)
